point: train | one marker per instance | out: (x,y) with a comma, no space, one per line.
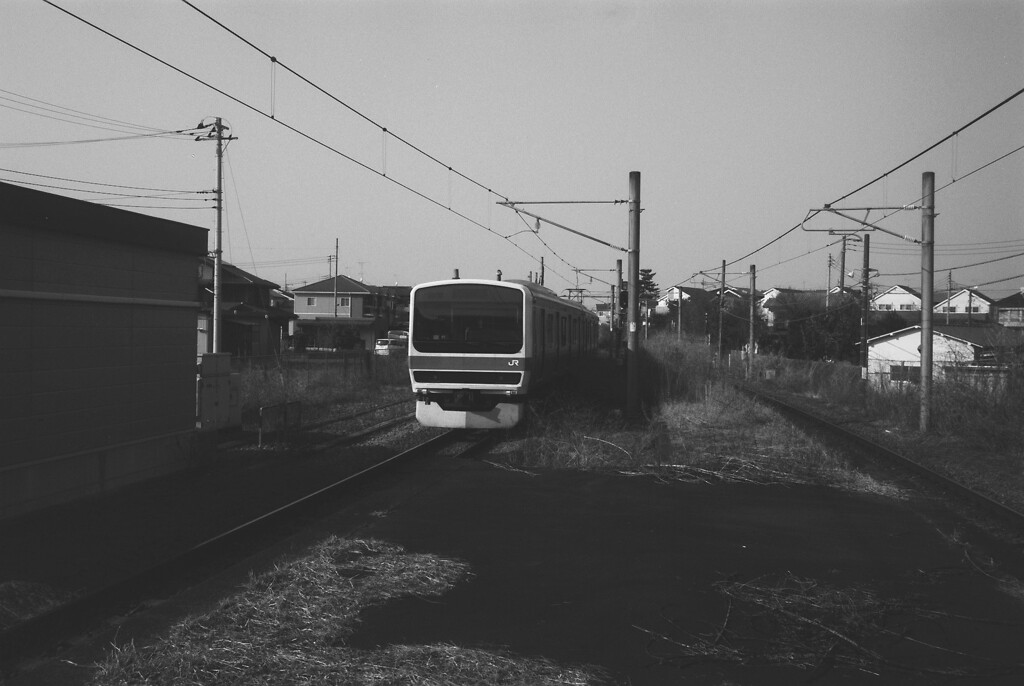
(479,348)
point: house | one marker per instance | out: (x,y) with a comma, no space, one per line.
(1009,311)
(897,299)
(693,308)
(98,349)
(340,312)
(896,356)
(253,321)
(681,294)
(967,304)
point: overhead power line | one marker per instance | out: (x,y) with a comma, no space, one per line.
(305,135)
(69,112)
(97,183)
(136,136)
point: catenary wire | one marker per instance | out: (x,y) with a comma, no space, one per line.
(814,213)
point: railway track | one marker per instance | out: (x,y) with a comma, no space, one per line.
(46,632)
(880,454)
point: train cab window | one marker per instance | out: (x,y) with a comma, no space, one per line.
(467,318)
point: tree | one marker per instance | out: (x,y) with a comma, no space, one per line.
(648,288)
(648,291)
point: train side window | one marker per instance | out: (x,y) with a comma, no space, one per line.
(563,334)
(550,329)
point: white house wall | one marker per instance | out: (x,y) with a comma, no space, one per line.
(905,350)
(961,301)
(324,306)
(897,301)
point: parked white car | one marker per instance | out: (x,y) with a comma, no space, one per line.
(389,346)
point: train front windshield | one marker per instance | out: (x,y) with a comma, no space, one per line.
(468,318)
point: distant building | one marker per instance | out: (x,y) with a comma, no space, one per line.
(254,321)
(341,313)
(1010,310)
(897,299)
(966,304)
(895,357)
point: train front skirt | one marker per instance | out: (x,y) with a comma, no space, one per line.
(502,416)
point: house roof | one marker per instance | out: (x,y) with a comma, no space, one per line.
(901,287)
(1010,301)
(229,273)
(985,336)
(395,291)
(973,293)
(346,286)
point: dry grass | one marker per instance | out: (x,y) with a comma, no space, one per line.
(722,437)
(291,625)
(976,436)
(321,382)
(730,437)
(808,625)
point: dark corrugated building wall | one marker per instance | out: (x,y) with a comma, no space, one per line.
(97,347)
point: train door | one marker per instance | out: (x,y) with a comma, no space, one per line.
(539,340)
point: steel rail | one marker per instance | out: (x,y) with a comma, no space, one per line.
(37,635)
(890,457)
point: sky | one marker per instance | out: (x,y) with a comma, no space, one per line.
(741,118)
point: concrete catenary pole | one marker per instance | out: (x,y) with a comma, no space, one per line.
(618,303)
(927,293)
(865,293)
(618,309)
(633,276)
(721,308)
(336,280)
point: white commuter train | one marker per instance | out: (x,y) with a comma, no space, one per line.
(479,348)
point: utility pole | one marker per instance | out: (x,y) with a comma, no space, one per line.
(927,293)
(679,313)
(336,280)
(216,133)
(842,267)
(828,283)
(633,274)
(949,293)
(753,309)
